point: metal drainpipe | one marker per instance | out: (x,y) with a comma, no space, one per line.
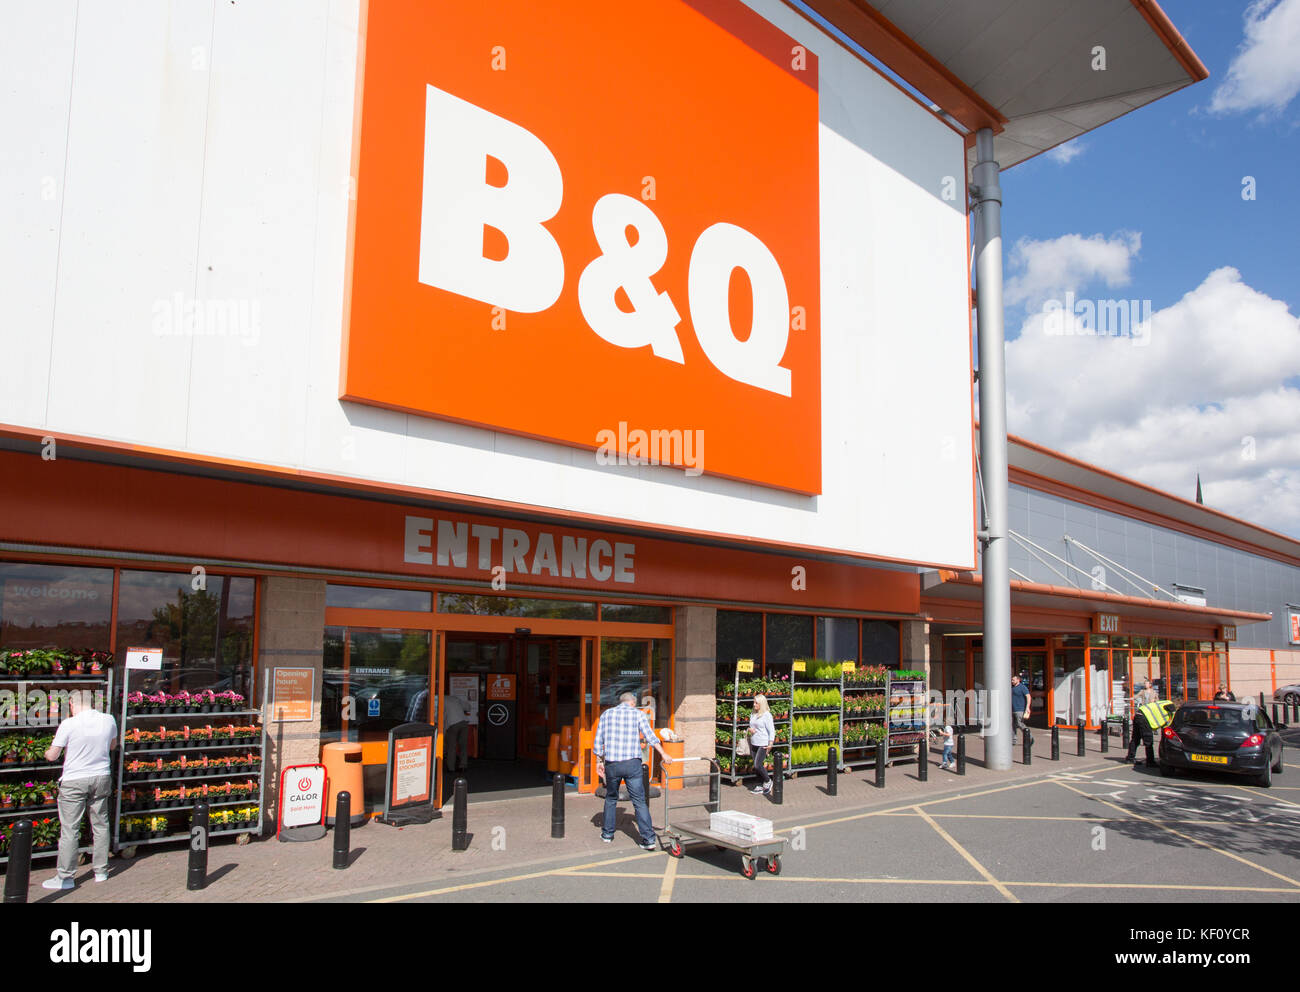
(986,196)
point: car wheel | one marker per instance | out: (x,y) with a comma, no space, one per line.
(1265,778)
(1292,699)
(1168,771)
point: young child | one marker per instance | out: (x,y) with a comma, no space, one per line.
(949,741)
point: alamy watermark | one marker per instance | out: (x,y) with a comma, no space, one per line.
(681,448)
(231,318)
(22,707)
(1073,317)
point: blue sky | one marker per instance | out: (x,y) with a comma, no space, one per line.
(1173,171)
(1150,208)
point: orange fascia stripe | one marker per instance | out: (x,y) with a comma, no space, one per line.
(883,39)
(1173,39)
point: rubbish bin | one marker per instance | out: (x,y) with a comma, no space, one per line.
(343,766)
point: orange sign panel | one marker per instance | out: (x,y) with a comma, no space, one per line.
(501,687)
(595,224)
(291,694)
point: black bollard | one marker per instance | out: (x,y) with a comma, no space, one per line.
(1081,743)
(460,817)
(1056,743)
(961,754)
(923,767)
(18,874)
(832,769)
(197,879)
(1123,734)
(557,806)
(645,781)
(1105,736)
(715,790)
(1275,719)
(778,776)
(342,829)
(881,751)
(1027,746)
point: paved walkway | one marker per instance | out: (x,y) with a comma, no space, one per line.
(512,838)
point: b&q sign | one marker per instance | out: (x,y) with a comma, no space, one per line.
(572,216)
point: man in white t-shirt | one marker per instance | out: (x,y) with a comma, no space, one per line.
(88,738)
(455,729)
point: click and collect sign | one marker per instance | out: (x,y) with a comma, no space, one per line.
(621,196)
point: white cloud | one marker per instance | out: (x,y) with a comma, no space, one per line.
(1204,390)
(1265,73)
(1046,269)
(1068,152)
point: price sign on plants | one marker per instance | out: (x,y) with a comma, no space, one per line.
(148,659)
(799,666)
(745,665)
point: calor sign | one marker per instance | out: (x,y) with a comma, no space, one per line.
(574,216)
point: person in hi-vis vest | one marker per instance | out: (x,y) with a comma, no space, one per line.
(1149,719)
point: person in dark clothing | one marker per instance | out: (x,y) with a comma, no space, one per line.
(1019,707)
(1149,719)
(1223,695)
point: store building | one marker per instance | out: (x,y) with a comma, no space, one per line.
(360,340)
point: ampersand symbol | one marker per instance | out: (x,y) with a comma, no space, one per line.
(654,318)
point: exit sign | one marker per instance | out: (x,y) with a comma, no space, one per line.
(1105,623)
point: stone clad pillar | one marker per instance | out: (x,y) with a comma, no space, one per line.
(693,681)
(291,634)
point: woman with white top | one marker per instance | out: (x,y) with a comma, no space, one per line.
(762,733)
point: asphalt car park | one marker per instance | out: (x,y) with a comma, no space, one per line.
(1108,833)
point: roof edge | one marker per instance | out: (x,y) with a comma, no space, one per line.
(1173,39)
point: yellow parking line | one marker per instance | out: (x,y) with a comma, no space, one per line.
(513,878)
(970,860)
(670,875)
(1216,850)
(1149,885)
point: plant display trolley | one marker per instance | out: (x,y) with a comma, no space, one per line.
(32,704)
(182,749)
(761,855)
(735,703)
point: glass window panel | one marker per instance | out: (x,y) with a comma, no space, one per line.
(789,636)
(206,634)
(55,606)
(388,680)
(333,686)
(1067,686)
(1098,640)
(509,606)
(880,643)
(1099,685)
(738,635)
(837,638)
(625,666)
(368,598)
(636,613)
(1174,669)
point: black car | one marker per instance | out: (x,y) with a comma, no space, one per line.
(1238,738)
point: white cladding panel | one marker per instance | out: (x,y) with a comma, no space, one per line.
(183,288)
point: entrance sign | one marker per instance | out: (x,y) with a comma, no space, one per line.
(497,715)
(301,808)
(409,783)
(147,659)
(292,694)
(523,217)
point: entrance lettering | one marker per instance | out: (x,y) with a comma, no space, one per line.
(447,542)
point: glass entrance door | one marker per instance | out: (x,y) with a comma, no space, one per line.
(537,700)
(1032,668)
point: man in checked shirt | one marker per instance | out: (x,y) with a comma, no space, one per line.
(618,758)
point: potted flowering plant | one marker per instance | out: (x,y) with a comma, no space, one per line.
(13,663)
(45,833)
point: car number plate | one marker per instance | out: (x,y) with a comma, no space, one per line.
(1210,759)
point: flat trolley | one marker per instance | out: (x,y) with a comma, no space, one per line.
(763,855)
